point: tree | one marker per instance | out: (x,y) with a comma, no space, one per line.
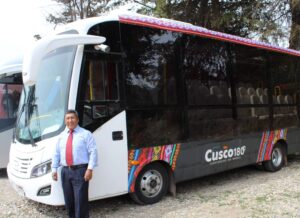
(260,19)
(73,10)
(37,37)
(295,29)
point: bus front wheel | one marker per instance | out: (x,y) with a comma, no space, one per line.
(277,159)
(151,184)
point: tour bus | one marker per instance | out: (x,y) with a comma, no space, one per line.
(166,102)
(10,91)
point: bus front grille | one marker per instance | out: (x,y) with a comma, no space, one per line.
(21,167)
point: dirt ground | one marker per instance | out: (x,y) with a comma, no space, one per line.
(244,192)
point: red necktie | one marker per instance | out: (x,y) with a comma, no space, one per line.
(69,155)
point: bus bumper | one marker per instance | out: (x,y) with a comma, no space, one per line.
(41,189)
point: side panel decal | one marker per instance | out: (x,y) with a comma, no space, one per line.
(269,138)
(143,156)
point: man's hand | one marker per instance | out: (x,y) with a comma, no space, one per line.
(54,176)
(88,175)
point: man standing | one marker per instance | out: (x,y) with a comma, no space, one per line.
(77,154)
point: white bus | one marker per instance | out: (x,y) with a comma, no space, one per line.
(166,102)
(10,92)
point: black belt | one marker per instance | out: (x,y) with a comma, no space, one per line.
(74,167)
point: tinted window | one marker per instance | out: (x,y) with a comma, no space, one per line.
(99,90)
(99,96)
(9,99)
(207,84)
(285,88)
(110,30)
(151,65)
(102,82)
(251,88)
(205,66)
(153,127)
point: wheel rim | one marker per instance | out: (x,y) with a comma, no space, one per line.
(151,183)
(276,157)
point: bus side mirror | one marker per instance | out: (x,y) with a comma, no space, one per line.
(100,111)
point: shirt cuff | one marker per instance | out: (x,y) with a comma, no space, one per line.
(90,167)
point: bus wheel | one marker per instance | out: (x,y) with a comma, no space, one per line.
(277,159)
(151,184)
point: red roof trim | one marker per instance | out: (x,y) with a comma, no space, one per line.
(188,28)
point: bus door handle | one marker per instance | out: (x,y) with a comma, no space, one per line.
(117,135)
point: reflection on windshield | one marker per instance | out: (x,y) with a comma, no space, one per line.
(42,106)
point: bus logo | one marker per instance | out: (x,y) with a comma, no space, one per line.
(226,154)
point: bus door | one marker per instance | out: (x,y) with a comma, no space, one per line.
(101,113)
(10,90)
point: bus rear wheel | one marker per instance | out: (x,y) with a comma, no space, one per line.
(151,184)
(277,159)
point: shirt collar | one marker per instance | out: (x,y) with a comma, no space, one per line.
(74,130)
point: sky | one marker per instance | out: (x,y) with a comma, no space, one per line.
(20,20)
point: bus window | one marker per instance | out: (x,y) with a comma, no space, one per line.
(205,66)
(99,91)
(251,85)
(151,65)
(9,99)
(10,95)
(284,90)
(100,88)
(153,127)
(102,81)
(151,78)
(109,30)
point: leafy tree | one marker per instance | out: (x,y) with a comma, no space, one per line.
(37,37)
(295,29)
(260,19)
(73,10)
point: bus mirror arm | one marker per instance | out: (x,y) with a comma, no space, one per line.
(102,47)
(33,59)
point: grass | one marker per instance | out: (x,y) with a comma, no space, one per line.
(262,199)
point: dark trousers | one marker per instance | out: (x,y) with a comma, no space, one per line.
(75,192)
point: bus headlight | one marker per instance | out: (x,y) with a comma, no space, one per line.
(41,169)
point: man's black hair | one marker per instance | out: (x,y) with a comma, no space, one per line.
(71,111)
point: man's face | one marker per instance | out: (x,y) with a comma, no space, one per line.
(71,120)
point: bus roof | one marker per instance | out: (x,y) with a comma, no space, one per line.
(8,70)
(179,26)
(11,66)
(82,27)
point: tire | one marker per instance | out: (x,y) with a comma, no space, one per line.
(276,162)
(151,184)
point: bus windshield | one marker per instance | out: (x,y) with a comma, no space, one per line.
(42,106)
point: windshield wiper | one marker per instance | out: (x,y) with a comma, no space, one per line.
(29,130)
(17,122)
(28,112)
